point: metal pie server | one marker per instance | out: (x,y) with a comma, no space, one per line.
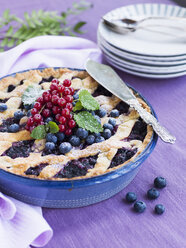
(108,78)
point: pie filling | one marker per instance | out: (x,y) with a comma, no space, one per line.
(123,135)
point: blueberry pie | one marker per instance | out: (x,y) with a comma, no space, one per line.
(61,125)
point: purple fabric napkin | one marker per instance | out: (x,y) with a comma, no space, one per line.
(21,224)
(46,51)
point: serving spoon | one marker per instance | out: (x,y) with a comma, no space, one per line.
(128,24)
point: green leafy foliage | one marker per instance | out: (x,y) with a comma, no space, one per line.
(87,121)
(38,132)
(53,127)
(78,106)
(88,101)
(31,94)
(39,23)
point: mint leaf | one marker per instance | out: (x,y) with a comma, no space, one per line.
(88,101)
(53,127)
(39,132)
(78,106)
(87,121)
(31,94)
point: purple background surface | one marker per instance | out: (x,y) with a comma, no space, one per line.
(112,223)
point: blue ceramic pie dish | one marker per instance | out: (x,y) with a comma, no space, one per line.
(73,193)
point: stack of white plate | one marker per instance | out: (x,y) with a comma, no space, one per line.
(155,51)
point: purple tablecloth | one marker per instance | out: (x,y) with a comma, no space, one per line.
(112,223)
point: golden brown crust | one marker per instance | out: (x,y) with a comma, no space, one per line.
(106,150)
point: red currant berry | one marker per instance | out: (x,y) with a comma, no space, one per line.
(67,82)
(71,90)
(27,127)
(40,99)
(37,105)
(41,123)
(68,131)
(69,98)
(61,88)
(61,127)
(69,106)
(45,93)
(37,118)
(49,105)
(55,80)
(61,102)
(46,113)
(56,110)
(66,91)
(47,97)
(53,86)
(30,121)
(65,112)
(62,120)
(32,128)
(55,99)
(71,124)
(70,116)
(57,117)
(34,111)
(55,93)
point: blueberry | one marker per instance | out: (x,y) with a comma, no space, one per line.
(93,113)
(49,119)
(65,147)
(74,140)
(159,209)
(29,113)
(28,106)
(18,114)
(97,134)
(75,96)
(139,206)
(101,112)
(13,128)
(112,121)
(153,193)
(49,146)
(131,197)
(97,118)
(160,182)
(90,139)
(60,136)
(50,137)
(108,126)
(107,133)
(99,139)
(81,133)
(73,104)
(3,107)
(114,113)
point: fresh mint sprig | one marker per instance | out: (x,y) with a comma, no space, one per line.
(16,30)
(40,131)
(31,94)
(86,101)
(86,120)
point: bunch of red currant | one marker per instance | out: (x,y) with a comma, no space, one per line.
(55,103)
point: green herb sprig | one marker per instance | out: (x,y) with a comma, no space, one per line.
(85,119)
(16,30)
(40,131)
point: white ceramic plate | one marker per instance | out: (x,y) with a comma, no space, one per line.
(142,59)
(153,42)
(142,67)
(147,75)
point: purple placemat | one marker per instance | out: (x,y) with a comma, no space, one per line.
(112,223)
